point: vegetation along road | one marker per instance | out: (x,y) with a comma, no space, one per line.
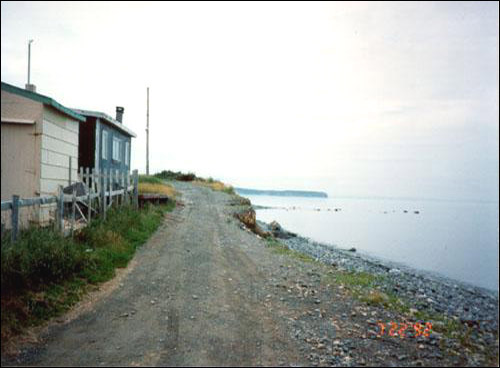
(206,291)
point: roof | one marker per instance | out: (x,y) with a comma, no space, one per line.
(114,123)
(42,99)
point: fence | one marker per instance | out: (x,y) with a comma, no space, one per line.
(95,192)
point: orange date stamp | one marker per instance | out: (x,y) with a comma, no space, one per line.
(405,330)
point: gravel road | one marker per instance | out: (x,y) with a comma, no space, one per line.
(202,291)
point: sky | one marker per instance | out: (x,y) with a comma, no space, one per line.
(355,99)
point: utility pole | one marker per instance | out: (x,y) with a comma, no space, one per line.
(147,136)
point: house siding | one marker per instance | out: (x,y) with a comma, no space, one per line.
(59,143)
(109,163)
(20,147)
(19,171)
(20,153)
(14,106)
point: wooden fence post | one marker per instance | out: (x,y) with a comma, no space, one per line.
(113,174)
(127,184)
(136,189)
(122,181)
(95,180)
(73,211)
(110,181)
(60,209)
(89,193)
(15,217)
(119,176)
(116,179)
(103,194)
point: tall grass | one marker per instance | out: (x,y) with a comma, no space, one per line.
(210,182)
(157,188)
(152,184)
(44,273)
(215,185)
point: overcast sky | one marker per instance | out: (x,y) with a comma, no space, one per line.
(361,99)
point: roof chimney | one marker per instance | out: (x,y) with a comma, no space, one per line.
(30,87)
(119,113)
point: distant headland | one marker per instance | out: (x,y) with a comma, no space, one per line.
(282,193)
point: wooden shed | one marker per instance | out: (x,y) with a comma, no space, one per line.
(105,143)
(39,145)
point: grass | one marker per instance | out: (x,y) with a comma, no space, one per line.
(43,274)
(355,279)
(152,184)
(150,179)
(157,188)
(279,248)
(210,182)
(215,185)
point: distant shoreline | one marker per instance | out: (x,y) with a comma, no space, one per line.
(282,193)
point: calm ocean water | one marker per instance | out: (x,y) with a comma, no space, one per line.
(455,239)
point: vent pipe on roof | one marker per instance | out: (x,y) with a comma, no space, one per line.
(30,87)
(119,113)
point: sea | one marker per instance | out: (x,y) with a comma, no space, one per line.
(456,239)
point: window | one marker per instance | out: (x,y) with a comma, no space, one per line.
(116,149)
(127,153)
(104,145)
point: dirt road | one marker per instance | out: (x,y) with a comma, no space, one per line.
(202,291)
(193,298)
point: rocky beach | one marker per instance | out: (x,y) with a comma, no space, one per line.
(423,293)
(430,292)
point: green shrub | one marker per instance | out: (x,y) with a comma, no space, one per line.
(150,179)
(167,175)
(173,175)
(40,256)
(44,273)
(229,190)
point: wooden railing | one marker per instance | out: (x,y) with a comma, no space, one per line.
(101,189)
